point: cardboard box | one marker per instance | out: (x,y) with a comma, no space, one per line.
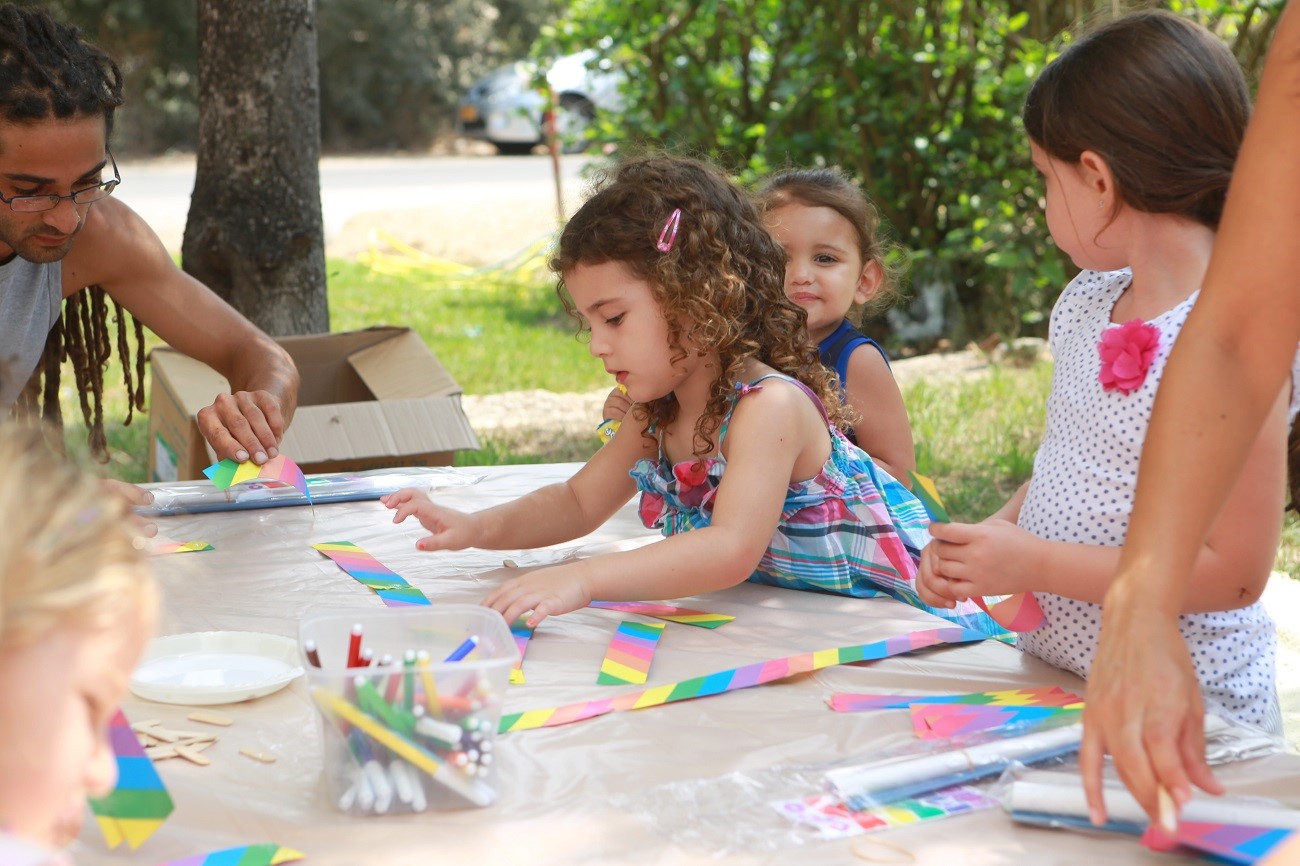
(369,399)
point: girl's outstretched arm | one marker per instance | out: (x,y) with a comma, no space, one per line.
(882,429)
(1144,706)
(550,515)
(1231,568)
(776,434)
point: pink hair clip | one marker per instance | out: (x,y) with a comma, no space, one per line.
(668,236)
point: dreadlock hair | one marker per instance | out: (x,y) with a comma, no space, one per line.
(47,70)
(721,285)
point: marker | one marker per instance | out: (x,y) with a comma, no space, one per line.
(408,681)
(313,655)
(463,650)
(354,647)
(367,657)
(422,661)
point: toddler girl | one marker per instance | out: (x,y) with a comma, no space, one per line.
(834,262)
(731,442)
(1134,128)
(76,606)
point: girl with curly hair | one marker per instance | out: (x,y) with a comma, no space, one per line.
(732,440)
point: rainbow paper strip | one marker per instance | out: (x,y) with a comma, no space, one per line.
(228,473)
(835,820)
(923,489)
(161,547)
(1228,843)
(389,586)
(670,612)
(1053,696)
(631,650)
(245,855)
(523,633)
(755,674)
(135,809)
(941,721)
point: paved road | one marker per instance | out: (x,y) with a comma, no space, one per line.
(351,186)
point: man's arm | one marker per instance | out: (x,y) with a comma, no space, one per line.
(118,251)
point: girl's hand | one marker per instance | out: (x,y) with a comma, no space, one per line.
(977,559)
(548,592)
(617,405)
(933,589)
(452,530)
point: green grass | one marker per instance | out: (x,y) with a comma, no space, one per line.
(503,330)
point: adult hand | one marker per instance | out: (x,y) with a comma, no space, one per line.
(245,425)
(1144,707)
(617,405)
(546,593)
(976,559)
(452,530)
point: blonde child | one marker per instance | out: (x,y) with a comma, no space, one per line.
(829,231)
(731,442)
(76,606)
(1134,128)
(835,262)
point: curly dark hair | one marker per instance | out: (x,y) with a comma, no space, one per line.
(721,286)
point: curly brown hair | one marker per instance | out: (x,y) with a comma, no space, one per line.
(721,286)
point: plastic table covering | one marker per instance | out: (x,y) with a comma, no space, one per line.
(683,783)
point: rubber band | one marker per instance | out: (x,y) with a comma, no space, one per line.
(860,842)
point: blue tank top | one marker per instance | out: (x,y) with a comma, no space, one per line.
(835,351)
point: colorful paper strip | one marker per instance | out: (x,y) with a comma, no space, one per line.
(523,633)
(1228,843)
(670,612)
(1054,696)
(744,677)
(161,546)
(834,820)
(135,809)
(389,586)
(245,855)
(228,473)
(941,721)
(630,653)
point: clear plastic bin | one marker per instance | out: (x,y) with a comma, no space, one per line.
(409,730)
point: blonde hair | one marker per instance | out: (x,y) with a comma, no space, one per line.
(68,554)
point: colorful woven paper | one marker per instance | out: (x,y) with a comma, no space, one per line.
(523,633)
(161,546)
(1054,696)
(941,721)
(631,650)
(136,808)
(390,587)
(279,468)
(670,612)
(245,855)
(754,674)
(1227,843)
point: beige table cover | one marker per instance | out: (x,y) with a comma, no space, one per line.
(676,784)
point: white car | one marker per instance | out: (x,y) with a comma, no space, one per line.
(505,108)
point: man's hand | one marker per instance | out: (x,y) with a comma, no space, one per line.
(244,425)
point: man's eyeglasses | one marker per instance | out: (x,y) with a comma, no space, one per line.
(86,195)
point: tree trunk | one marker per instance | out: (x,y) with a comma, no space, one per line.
(255,234)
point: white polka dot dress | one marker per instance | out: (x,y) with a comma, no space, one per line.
(1082,489)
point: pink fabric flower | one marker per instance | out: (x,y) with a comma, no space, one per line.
(1126,355)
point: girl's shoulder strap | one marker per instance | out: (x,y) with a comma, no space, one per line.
(743,388)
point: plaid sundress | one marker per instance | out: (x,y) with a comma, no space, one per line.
(851,530)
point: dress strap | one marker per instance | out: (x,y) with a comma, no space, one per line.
(743,388)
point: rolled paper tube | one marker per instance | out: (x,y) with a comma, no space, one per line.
(419,757)
(867,785)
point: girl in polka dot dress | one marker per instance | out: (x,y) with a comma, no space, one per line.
(1134,129)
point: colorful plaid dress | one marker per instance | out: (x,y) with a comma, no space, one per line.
(851,530)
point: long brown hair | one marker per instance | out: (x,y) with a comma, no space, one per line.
(721,286)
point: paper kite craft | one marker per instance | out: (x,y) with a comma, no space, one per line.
(136,808)
(245,855)
(942,716)
(1223,843)
(522,633)
(389,586)
(228,473)
(632,649)
(670,612)
(755,674)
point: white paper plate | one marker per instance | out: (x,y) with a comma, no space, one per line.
(215,667)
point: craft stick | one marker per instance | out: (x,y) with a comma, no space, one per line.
(423,760)
(264,757)
(313,654)
(211,719)
(466,647)
(354,646)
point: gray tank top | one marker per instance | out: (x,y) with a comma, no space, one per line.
(30,296)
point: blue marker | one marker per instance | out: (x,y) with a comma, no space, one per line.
(463,650)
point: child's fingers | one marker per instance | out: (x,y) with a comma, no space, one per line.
(954,533)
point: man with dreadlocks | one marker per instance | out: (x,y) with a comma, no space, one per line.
(63,240)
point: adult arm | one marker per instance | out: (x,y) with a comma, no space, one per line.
(882,430)
(118,251)
(1223,375)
